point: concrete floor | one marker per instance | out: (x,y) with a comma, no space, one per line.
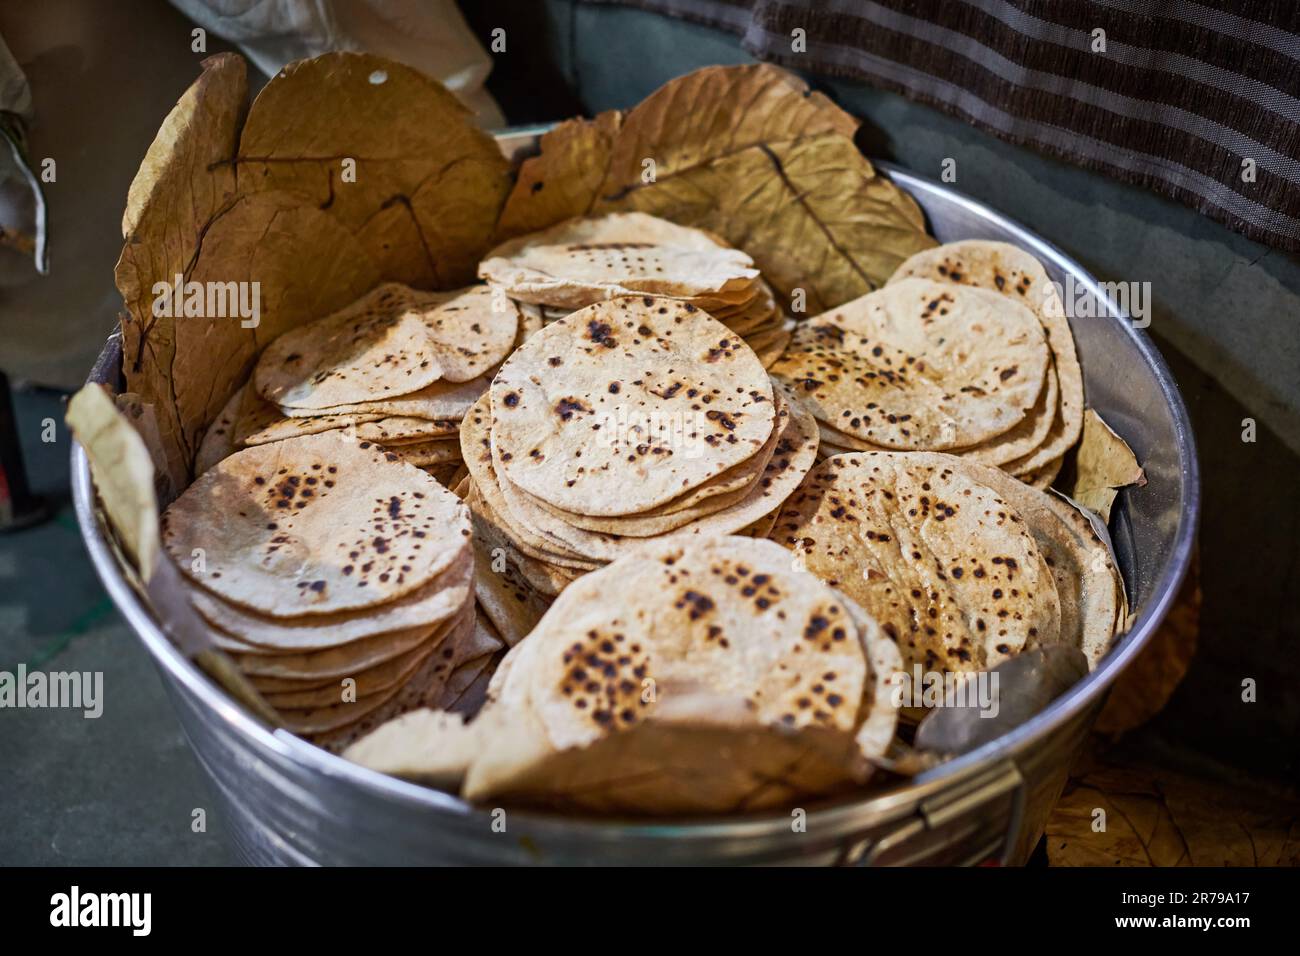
(119,789)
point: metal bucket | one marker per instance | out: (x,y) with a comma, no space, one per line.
(289,802)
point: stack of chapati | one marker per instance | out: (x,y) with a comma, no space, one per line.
(696,676)
(966,351)
(339,579)
(398,368)
(587,260)
(627,420)
(961,564)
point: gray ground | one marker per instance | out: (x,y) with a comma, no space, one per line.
(118,789)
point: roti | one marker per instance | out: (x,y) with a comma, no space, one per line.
(393,341)
(919,365)
(714,495)
(794,456)
(402,428)
(430,604)
(948,567)
(1016,274)
(439,451)
(360,353)
(582,261)
(441,400)
(313,525)
(719,647)
(333,663)
(556,405)
(219,439)
(1081,565)
(715,640)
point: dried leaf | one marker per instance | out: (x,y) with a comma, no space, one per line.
(428,183)
(715,112)
(812,213)
(306,265)
(563,182)
(778,177)
(1145,687)
(1159,818)
(172,475)
(1229,828)
(184,180)
(122,471)
(1103,464)
(428,187)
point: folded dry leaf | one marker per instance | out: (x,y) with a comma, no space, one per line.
(184,180)
(123,472)
(1103,464)
(778,177)
(349,169)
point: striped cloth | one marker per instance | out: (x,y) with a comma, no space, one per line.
(1199,103)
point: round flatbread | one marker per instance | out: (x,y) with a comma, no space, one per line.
(1026,436)
(1013,272)
(439,401)
(388,430)
(366,683)
(949,569)
(332,663)
(719,644)
(368,350)
(560,406)
(586,260)
(424,686)
(919,365)
(260,423)
(219,439)
(439,451)
(435,601)
(393,341)
(314,525)
(714,495)
(794,456)
(1081,565)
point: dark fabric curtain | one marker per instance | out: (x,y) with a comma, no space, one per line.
(1198,102)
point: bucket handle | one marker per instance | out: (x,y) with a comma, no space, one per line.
(952,817)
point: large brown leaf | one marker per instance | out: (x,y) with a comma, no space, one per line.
(218,199)
(749,153)
(717,111)
(428,185)
(812,213)
(123,473)
(564,180)
(184,180)
(306,264)
(1159,818)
